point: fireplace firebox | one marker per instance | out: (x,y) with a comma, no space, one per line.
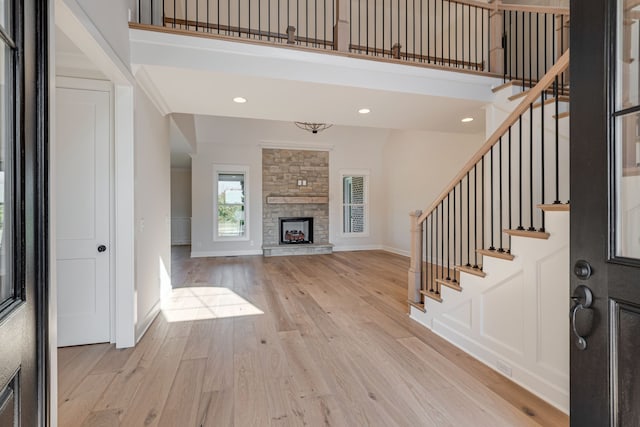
(296,230)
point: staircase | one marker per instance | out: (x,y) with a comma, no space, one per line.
(489,256)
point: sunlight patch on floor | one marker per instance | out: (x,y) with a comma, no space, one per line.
(200,303)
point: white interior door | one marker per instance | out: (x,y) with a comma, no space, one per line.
(83,135)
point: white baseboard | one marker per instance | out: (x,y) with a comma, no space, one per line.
(141,328)
(395,251)
(350,248)
(205,254)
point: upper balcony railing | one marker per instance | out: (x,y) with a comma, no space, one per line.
(516,42)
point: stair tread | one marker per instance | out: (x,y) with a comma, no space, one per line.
(495,254)
(434,296)
(555,207)
(470,270)
(450,284)
(561,115)
(527,233)
(512,83)
(418,305)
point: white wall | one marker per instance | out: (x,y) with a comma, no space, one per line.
(180,206)
(180,193)
(152,209)
(238,142)
(417,167)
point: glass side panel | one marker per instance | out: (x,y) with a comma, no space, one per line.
(628,54)
(5,13)
(7,119)
(231,205)
(628,186)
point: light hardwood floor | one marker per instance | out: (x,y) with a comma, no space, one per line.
(311,340)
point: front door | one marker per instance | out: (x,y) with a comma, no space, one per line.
(82,220)
(605,212)
(23,212)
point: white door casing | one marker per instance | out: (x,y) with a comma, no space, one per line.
(83,141)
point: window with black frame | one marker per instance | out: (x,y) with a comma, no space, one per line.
(9,108)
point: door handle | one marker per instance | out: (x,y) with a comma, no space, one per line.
(102,248)
(582,299)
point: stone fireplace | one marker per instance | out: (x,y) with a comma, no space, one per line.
(295,190)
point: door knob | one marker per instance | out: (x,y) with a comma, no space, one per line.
(582,269)
(582,299)
(102,248)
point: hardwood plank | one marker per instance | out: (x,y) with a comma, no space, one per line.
(75,407)
(334,346)
(184,397)
(216,409)
(149,400)
(74,372)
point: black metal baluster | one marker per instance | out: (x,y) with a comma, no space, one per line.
(530,53)
(537,47)
(454,234)
(557,136)
(432,265)
(501,248)
(218,15)
(359,26)
(174,13)
(461,209)
(375,27)
(468,224)
(475,215)
(482,202)
(391,27)
(509,190)
(315,22)
(441,244)
(545,43)
(421,16)
(406,28)
(523,54)
(442,33)
(448,236)
(475,30)
(151,15)
(520,227)
(306,23)
(488,38)
(517,75)
(456,34)
(428,32)
(367,29)
(531,227)
(491,205)
(239,15)
(449,36)
(542,159)
(208,23)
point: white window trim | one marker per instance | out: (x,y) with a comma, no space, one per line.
(222,168)
(367,175)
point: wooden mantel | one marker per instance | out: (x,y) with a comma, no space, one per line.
(288,200)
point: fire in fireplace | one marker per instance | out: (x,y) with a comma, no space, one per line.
(296,230)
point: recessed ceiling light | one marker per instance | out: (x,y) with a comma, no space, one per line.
(364,111)
(239,100)
(467,119)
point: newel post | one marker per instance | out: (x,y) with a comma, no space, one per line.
(341,28)
(496,35)
(415,267)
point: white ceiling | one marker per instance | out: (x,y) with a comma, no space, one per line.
(211,93)
(201,76)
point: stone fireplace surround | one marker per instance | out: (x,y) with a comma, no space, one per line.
(282,171)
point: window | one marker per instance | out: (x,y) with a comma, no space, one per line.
(355,211)
(10,141)
(231,210)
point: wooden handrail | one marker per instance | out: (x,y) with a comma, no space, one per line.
(533,94)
